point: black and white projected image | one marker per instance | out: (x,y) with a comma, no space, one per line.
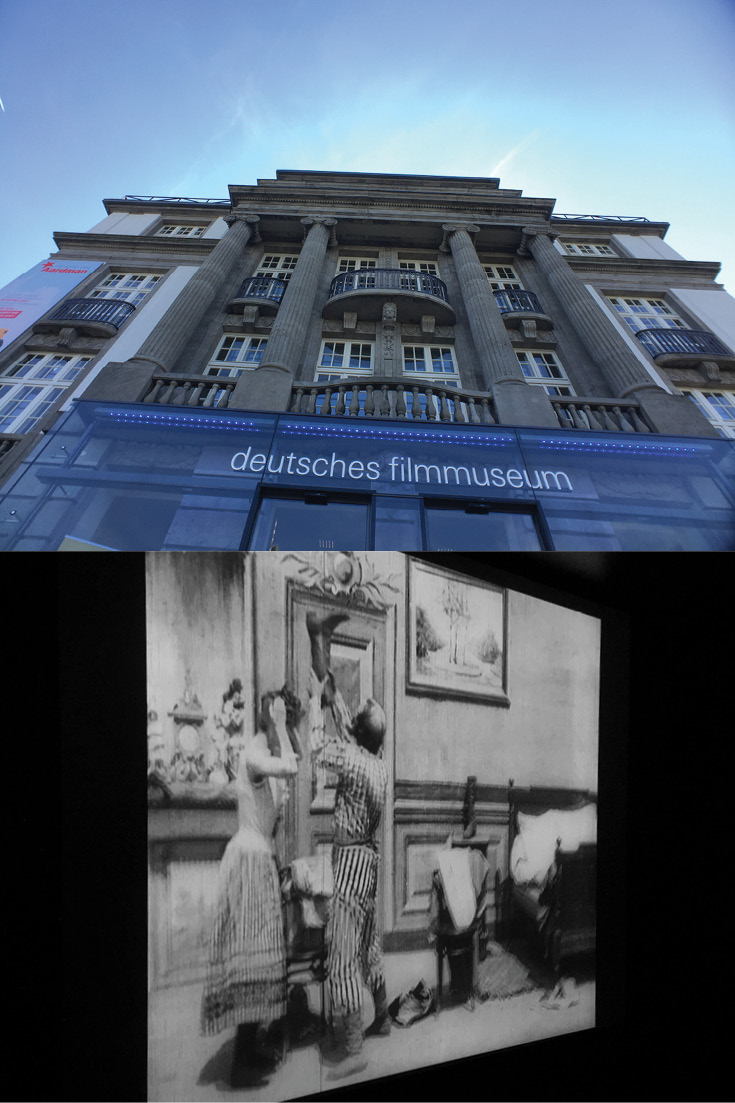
(372,819)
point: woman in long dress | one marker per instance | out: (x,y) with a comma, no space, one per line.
(246,977)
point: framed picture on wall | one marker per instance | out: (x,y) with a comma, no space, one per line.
(456,635)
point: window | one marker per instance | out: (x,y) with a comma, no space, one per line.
(31,386)
(543,369)
(646,313)
(431,362)
(343,359)
(278,265)
(131,287)
(718,407)
(171,230)
(352,264)
(588,248)
(234,355)
(502,276)
(419,266)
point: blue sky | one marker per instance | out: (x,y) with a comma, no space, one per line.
(609,109)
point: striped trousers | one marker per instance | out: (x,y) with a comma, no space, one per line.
(355,944)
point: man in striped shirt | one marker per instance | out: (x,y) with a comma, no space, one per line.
(355,947)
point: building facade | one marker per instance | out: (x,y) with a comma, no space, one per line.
(372,361)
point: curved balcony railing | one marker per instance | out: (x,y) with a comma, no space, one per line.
(681,342)
(388,279)
(111,312)
(509,300)
(262,287)
(393,399)
(611,414)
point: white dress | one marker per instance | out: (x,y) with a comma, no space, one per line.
(246,977)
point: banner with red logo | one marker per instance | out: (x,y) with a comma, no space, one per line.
(27,298)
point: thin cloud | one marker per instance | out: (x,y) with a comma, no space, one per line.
(523,144)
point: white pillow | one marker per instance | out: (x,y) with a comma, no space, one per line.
(576,826)
(533,848)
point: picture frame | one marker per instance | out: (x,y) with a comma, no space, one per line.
(456,635)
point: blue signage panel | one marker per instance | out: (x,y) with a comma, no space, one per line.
(636,491)
(134,477)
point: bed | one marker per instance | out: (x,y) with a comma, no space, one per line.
(548,897)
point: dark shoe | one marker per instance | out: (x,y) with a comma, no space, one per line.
(413,1005)
(320,631)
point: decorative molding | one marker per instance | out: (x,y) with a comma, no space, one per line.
(349,575)
(180,248)
(661,268)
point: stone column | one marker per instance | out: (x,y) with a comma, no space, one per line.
(516,402)
(627,376)
(268,387)
(128,381)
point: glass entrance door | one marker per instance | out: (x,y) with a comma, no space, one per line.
(311,522)
(477,527)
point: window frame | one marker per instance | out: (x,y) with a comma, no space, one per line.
(646,318)
(49,387)
(698,395)
(500,280)
(556,386)
(588,248)
(431,374)
(339,371)
(280,270)
(133,295)
(180,229)
(217,365)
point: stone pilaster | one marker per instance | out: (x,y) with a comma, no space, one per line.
(388,343)
(163,346)
(268,387)
(626,375)
(516,402)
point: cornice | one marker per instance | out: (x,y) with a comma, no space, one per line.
(666,269)
(345,206)
(176,248)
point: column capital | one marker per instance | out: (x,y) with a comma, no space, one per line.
(452,227)
(317,220)
(252,219)
(529,232)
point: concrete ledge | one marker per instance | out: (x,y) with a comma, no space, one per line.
(520,404)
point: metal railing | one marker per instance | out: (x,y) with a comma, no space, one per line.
(388,279)
(393,399)
(113,312)
(205,392)
(183,200)
(262,287)
(598,218)
(610,414)
(682,342)
(510,299)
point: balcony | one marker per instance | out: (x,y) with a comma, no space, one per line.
(197,391)
(265,291)
(606,414)
(92,317)
(392,399)
(518,306)
(679,348)
(365,292)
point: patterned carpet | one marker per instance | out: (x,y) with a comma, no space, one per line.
(502,975)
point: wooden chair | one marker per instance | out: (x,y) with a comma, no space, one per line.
(460,947)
